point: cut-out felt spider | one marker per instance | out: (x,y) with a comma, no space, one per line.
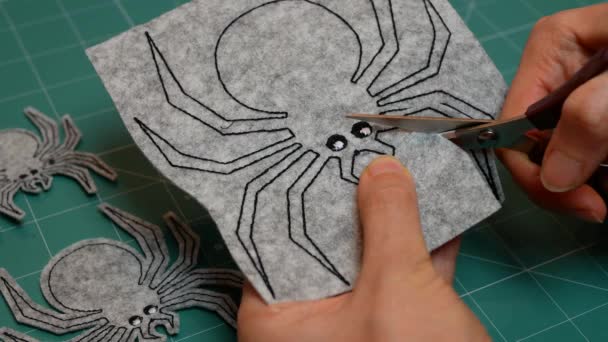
(299,144)
(28,163)
(111,292)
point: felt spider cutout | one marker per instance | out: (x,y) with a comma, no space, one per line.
(28,163)
(111,292)
(296,145)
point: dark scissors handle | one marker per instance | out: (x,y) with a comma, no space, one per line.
(545,114)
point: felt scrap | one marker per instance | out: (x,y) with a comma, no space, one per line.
(109,291)
(29,163)
(242,104)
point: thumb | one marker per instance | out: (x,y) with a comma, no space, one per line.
(393,245)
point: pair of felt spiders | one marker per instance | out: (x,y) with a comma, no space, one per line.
(102,287)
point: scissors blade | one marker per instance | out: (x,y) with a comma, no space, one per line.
(420,123)
(470,134)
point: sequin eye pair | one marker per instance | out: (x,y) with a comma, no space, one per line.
(148,310)
(338,142)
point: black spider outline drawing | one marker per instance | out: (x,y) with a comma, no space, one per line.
(114,293)
(287,153)
(29,163)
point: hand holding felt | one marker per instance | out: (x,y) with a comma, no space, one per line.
(401,291)
(242,104)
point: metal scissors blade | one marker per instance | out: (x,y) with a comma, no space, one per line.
(475,134)
(419,123)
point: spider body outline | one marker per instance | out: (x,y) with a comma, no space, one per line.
(127,294)
(343,145)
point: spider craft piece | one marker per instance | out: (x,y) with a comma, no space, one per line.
(111,292)
(28,163)
(242,104)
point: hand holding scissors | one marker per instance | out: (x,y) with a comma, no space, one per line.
(527,132)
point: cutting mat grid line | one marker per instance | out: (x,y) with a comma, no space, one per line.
(527,274)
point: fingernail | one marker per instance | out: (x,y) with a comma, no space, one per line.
(560,173)
(589,216)
(384,165)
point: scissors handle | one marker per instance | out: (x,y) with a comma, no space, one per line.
(546,113)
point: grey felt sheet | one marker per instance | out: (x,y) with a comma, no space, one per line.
(241,103)
(29,163)
(108,291)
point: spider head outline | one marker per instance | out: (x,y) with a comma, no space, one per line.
(24,166)
(313,82)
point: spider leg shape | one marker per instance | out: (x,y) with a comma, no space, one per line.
(393,97)
(7,206)
(299,170)
(26,311)
(436,102)
(63,159)
(178,285)
(9,335)
(185,104)
(180,99)
(389,48)
(441,36)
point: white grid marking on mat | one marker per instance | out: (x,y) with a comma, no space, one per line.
(28,58)
(74,28)
(527,270)
(55,17)
(482,311)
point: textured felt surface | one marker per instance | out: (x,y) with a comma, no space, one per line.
(29,163)
(109,291)
(242,104)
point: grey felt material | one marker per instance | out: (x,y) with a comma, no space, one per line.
(242,104)
(28,163)
(109,291)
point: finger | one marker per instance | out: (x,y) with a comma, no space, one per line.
(554,53)
(586,24)
(388,210)
(444,259)
(583,202)
(580,141)
(251,301)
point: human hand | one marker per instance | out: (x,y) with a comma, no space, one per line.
(401,293)
(558,47)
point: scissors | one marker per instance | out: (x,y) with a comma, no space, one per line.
(517,133)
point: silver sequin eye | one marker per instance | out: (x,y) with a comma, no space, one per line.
(336,142)
(361,129)
(150,309)
(135,320)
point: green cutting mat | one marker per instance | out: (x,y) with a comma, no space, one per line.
(528,274)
